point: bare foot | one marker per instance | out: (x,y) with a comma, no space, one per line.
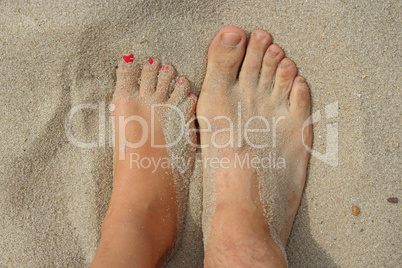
(144,217)
(252,129)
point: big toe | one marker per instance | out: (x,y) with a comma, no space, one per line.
(128,73)
(225,56)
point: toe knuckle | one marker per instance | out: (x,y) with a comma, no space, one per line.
(226,62)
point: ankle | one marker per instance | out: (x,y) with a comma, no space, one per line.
(121,229)
(240,248)
(240,233)
(149,219)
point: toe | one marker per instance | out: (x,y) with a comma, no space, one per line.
(272,57)
(225,55)
(190,105)
(250,70)
(181,91)
(166,75)
(285,74)
(300,98)
(187,109)
(128,73)
(149,77)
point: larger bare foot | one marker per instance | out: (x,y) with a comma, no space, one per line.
(252,130)
(143,220)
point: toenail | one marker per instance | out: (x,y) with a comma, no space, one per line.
(273,53)
(191,95)
(259,35)
(128,58)
(180,81)
(285,64)
(151,60)
(230,39)
(301,80)
(165,68)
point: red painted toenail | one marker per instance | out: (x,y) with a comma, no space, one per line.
(191,95)
(151,60)
(180,81)
(165,68)
(128,58)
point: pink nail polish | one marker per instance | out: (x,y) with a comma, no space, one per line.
(191,95)
(165,68)
(151,60)
(128,58)
(180,81)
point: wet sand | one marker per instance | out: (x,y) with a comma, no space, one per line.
(57,55)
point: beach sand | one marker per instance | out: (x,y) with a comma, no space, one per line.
(55,55)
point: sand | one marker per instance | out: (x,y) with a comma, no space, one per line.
(56,55)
